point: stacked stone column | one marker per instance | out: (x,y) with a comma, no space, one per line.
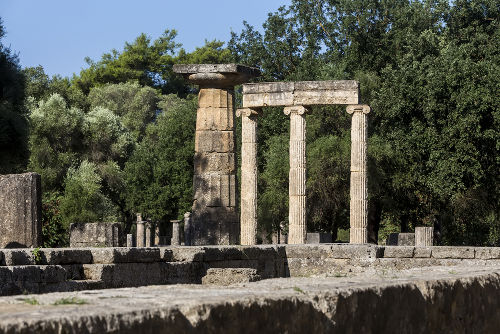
(359,184)
(215,216)
(248,218)
(297,227)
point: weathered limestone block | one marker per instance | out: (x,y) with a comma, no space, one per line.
(399,252)
(359,183)
(214,161)
(228,276)
(95,235)
(20,210)
(305,93)
(319,238)
(424,236)
(401,239)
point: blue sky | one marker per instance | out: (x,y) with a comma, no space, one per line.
(59,34)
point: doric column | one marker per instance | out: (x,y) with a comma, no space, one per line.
(297,228)
(149,234)
(248,208)
(157,234)
(176,233)
(140,231)
(130,240)
(215,217)
(424,236)
(187,229)
(359,184)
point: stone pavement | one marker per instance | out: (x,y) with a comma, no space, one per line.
(451,299)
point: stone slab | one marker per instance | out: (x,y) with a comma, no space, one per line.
(268,94)
(214,68)
(426,300)
(319,238)
(20,210)
(228,276)
(452,252)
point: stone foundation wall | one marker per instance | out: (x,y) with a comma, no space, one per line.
(73,269)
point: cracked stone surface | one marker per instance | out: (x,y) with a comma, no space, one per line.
(431,299)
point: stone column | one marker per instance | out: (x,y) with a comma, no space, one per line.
(130,240)
(157,234)
(424,236)
(358,215)
(176,233)
(139,231)
(248,175)
(297,227)
(149,234)
(187,229)
(215,217)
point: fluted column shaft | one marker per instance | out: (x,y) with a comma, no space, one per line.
(424,236)
(359,183)
(139,231)
(297,227)
(248,219)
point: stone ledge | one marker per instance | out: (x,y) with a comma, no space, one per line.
(413,301)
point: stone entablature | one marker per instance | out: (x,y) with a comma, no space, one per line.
(300,93)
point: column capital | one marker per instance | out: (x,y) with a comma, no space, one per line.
(216,75)
(248,112)
(299,110)
(364,108)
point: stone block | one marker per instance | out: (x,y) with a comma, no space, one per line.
(214,190)
(55,256)
(187,254)
(452,252)
(401,239)
(20,210)
(126,255)
(422,252)
(399,251)
(216,98)
(353,251)
(218,119)
(228,276)
(487,253)
(124,274)
(221,163)
(18,257)
(214,141)
(95,235)
(319,238)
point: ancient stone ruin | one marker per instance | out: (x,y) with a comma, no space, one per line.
(296,97)
(20,210)
(97,287)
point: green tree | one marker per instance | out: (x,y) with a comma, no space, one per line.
(13,120)
(55,140)
(135,105)
(145,61)
(159,174)
(83,200)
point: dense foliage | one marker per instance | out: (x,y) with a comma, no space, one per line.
(118,138)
